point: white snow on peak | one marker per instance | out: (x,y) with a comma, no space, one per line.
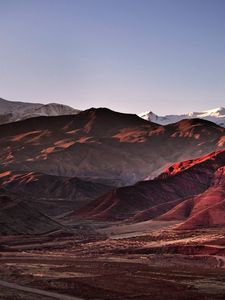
(11,111)
(216,115)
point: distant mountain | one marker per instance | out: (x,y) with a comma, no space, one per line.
(216,115)
(11,111)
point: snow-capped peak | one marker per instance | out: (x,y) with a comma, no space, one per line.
(216,115)
(11,111)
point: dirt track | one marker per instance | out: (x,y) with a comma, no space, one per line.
(37,291)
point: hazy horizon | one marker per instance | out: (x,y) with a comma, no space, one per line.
(127,55)
(137,112)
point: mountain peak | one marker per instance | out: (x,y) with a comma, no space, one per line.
(219,111)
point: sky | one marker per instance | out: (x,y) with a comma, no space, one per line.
(167,56)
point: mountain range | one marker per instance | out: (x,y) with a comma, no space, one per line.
(61,165)
(103,146)
(11,111)
(216,115)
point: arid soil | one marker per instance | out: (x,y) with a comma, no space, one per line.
(114,265)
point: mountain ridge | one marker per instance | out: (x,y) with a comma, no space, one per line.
(216,115)
(100,143)
(13,111)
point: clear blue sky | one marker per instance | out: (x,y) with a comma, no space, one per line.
(128,55)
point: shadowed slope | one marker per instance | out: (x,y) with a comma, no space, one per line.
(54,195)
(18,217)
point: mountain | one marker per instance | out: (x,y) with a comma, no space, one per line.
(104,146)
(191,192)
(11,111)
(205,209)
(216,115)
(57,165)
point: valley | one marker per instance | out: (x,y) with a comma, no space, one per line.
(112,150)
